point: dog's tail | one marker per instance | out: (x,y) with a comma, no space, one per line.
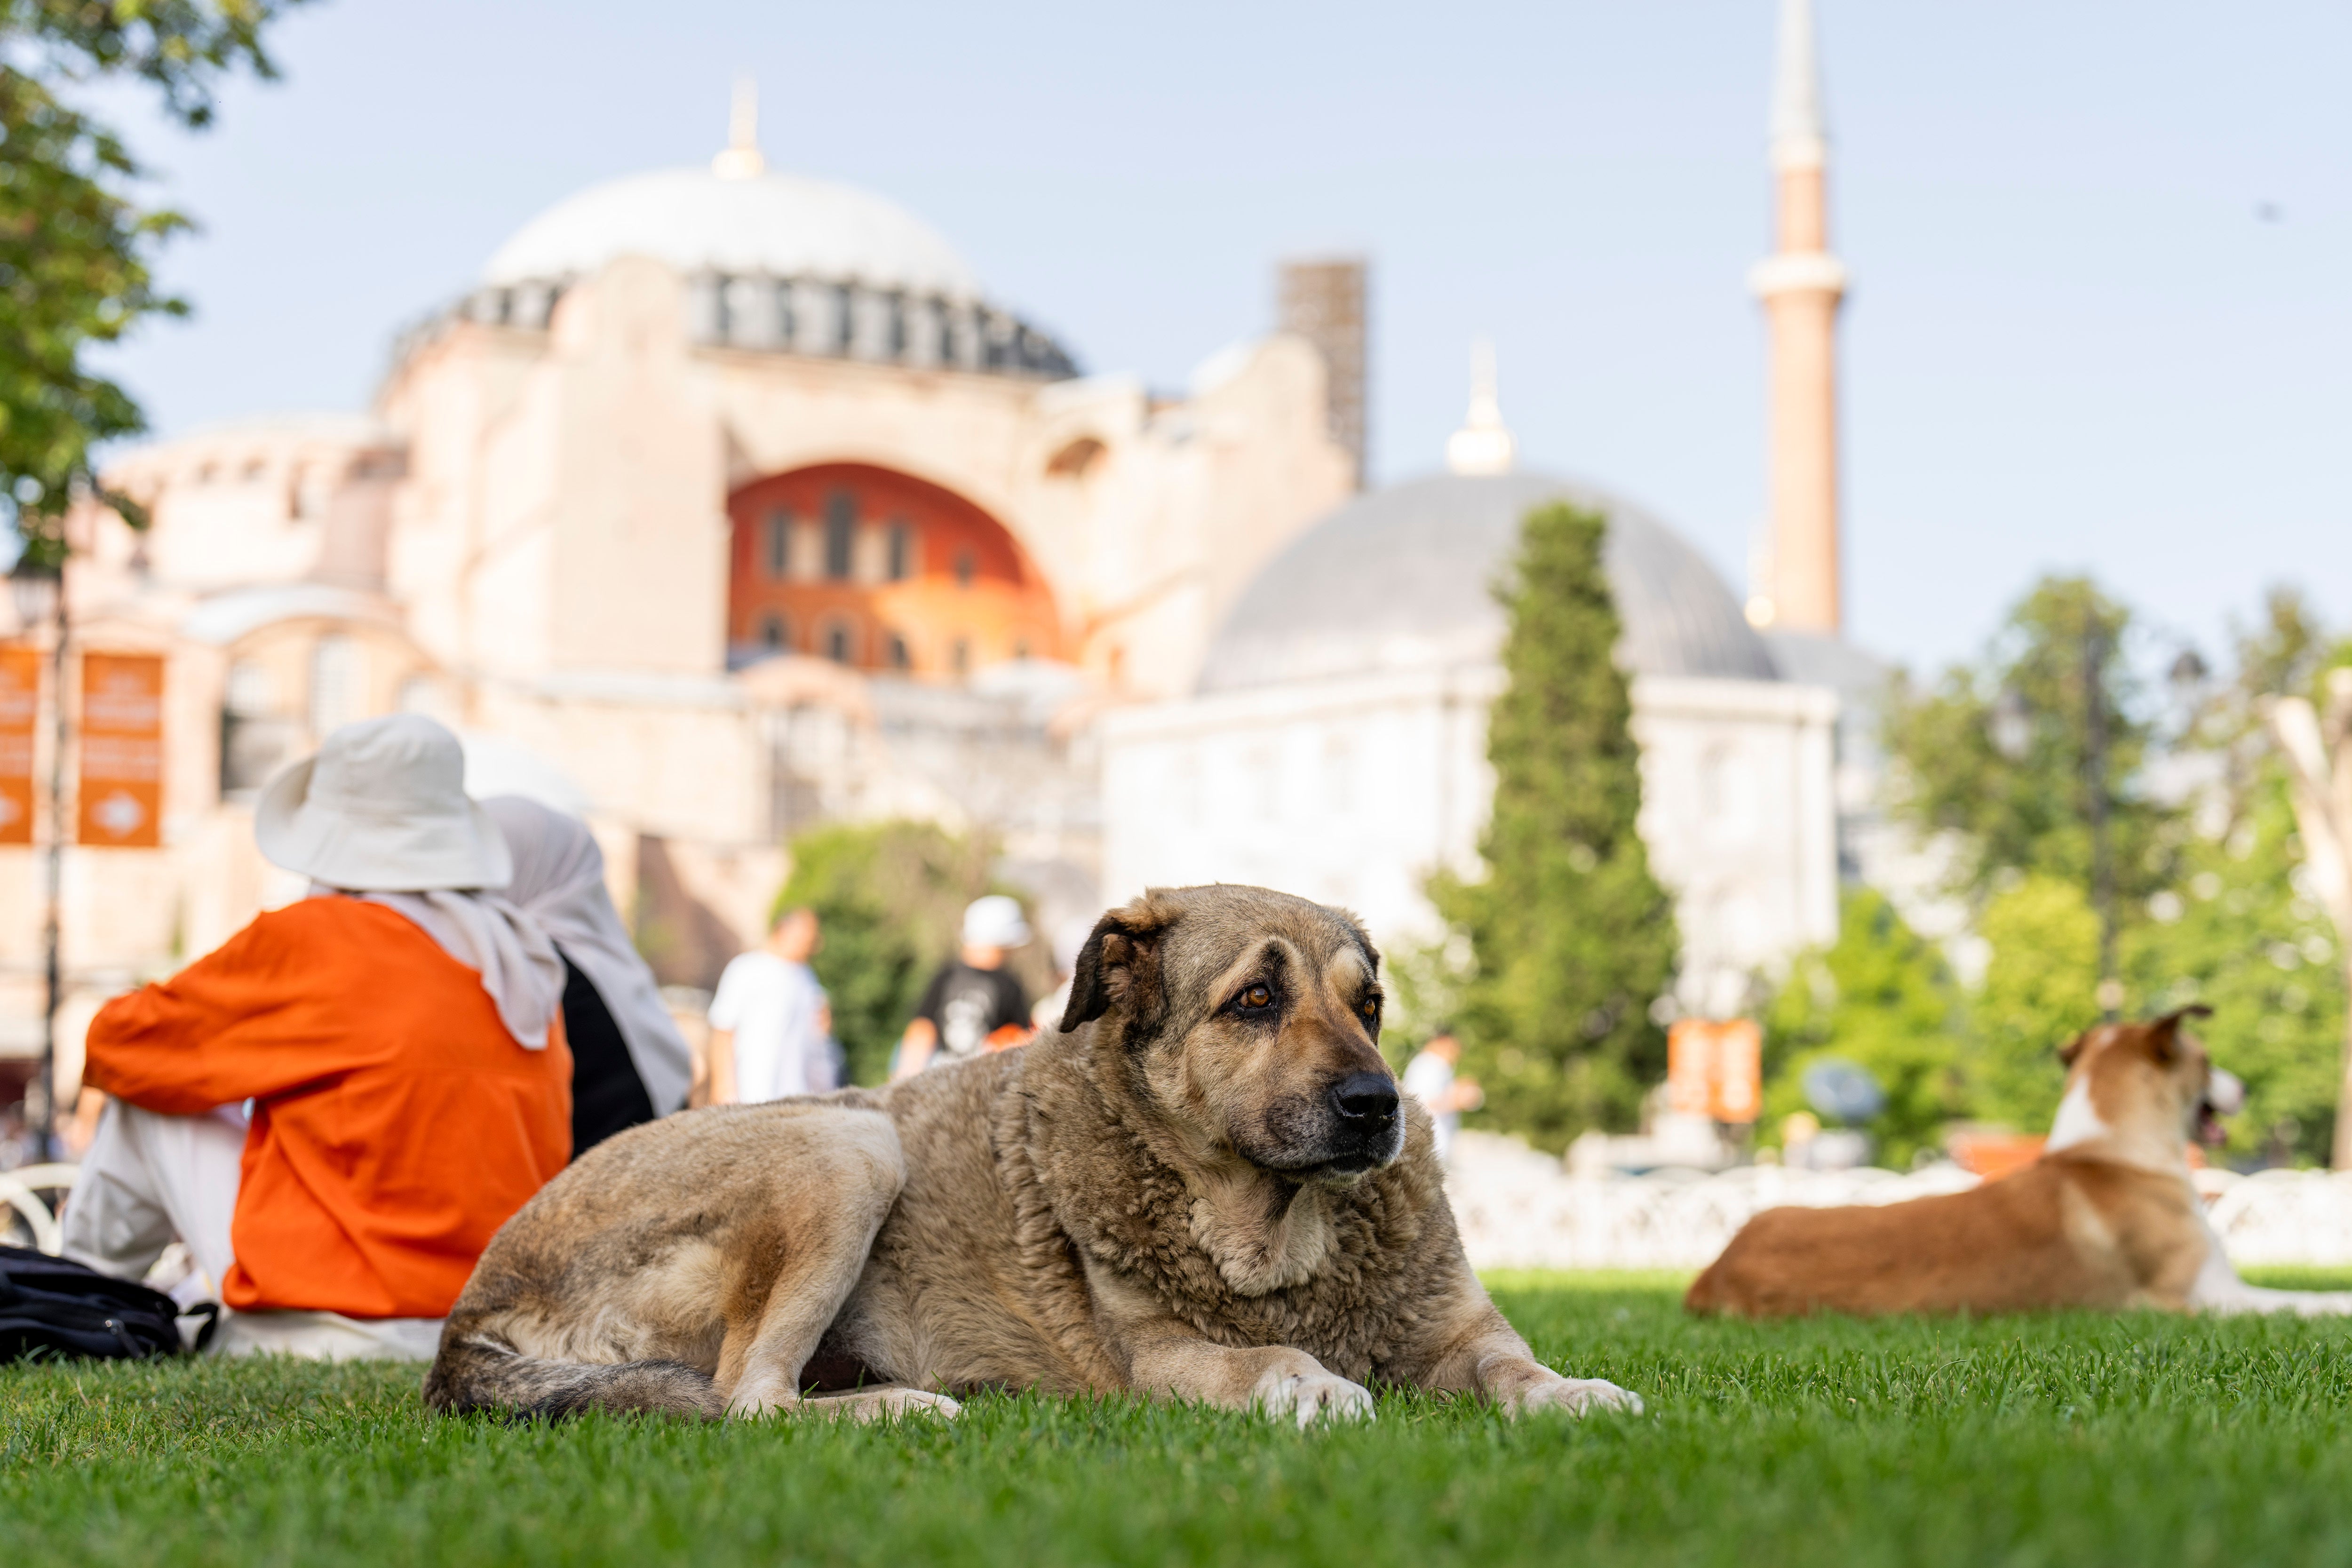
(479,1371)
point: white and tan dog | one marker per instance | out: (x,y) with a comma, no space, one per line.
(2105,1219)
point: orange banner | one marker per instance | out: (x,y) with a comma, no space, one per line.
(20,714)
(1716,1069)
(121,793)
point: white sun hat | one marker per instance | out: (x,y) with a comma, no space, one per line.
(995,922)
(383,808)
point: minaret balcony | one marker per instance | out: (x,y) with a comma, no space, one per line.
(1796,272)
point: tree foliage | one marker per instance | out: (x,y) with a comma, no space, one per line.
(2039,991)
(1883,997)
(2240,935)
(2237,929)
(1999,751)
(1571,937)
(2208,863)
(76,247)
(889,898)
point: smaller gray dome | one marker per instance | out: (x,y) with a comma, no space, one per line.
(1402,579)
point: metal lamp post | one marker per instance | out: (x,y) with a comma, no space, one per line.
(38,589)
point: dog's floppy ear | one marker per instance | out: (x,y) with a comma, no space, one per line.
(1119,967)
(2072,1048)
(2164,1034)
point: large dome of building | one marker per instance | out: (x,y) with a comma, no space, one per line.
(1402,579)
(701,221)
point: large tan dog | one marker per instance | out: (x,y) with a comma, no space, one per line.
(1203,1186)
(2105,1219)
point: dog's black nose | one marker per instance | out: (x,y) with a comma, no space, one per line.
(1365,1097)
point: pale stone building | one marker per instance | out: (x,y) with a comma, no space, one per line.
(1336,744)
(730,500)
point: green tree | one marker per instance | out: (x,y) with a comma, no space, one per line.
(75,246)
(1571,938)
(2240,937)
(1999,751)
(1880,996)
(889,898)
(2039,991)
(2236,930)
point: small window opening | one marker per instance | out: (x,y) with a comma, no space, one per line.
(837,643)
(966,568)
(902,552)
(773,634)
(840,535)
(899,658)
(777,540)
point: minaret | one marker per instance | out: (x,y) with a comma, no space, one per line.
(1484,444)
(1801,286)
(742,159)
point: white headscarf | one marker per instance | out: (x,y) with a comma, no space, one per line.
(485,932)
(559,881)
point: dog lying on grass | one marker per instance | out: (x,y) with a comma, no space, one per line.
(2105,1218)
(1203,1186)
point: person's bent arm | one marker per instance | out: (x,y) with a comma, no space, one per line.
(723,1090)
(218,1031)
(915,1048)
(1462,1094)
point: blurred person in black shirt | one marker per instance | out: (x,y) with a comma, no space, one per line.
(973,1004)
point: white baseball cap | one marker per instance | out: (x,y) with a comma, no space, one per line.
(383,808)
(995,922)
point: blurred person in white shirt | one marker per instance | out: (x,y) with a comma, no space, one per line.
(771,1021)
(1430,1079)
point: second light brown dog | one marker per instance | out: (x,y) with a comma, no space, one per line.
(2105,1219)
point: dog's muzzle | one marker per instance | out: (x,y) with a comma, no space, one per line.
(1365,1119)
(2225,1095)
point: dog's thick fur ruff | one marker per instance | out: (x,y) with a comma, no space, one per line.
(1202,1187)
(2105,1219)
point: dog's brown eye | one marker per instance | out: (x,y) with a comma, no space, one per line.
(1258,996)
(1369,1009)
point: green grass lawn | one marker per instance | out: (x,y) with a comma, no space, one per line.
(2067,1440)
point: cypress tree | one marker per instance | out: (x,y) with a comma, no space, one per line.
(1571,938)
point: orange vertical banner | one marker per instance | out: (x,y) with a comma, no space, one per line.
(1738,1071)
(121,791)
(1716,1069)
(1690,1066)
(20,714)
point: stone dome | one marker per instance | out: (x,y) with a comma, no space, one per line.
(1401,579)
(700,221)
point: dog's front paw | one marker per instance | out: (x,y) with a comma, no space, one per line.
(1573,1397)
(1313,1395)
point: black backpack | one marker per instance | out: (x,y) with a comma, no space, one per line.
(49,1306)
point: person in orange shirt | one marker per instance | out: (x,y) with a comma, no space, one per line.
(336,1108)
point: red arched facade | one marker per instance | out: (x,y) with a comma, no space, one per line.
(880,571)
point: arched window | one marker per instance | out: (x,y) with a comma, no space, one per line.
(882,555)
(775,633)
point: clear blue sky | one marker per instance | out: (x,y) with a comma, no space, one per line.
(2074,338)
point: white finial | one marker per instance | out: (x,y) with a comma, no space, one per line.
(1484,444)
(1800,138)
(741,160)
